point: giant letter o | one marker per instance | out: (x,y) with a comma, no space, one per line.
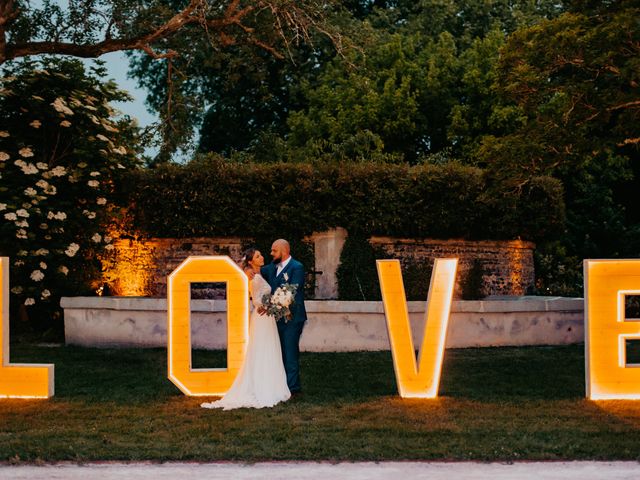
(216,381)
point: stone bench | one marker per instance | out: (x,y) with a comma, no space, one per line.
(333,326)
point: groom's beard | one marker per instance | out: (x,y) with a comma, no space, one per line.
(276,261)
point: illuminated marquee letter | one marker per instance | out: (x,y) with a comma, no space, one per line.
(206,269)
(607,330)
(422,380)
(18,380)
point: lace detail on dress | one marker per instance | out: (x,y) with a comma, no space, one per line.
(259,288)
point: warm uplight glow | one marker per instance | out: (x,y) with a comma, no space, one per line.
(608,375)
(199,270)
(18,380)
(516,267)
(130,268)
(422,380)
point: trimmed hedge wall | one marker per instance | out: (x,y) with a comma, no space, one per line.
(213,197)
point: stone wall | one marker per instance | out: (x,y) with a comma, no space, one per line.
(141,267)
(333,326)
(506,267)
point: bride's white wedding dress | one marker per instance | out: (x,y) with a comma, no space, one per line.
(261,381)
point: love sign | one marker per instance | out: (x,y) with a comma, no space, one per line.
(609,375)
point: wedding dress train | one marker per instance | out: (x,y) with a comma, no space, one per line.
(261,381)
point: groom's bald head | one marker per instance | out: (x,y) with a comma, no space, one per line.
(280,250)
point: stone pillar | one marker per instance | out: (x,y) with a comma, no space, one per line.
(328,247)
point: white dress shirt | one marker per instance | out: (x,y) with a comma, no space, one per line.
(282,265)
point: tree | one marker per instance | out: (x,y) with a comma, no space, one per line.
(418,87)
(162,29)
(63,151)
(575,82)
(94,27)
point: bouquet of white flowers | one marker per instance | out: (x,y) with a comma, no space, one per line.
(279,304)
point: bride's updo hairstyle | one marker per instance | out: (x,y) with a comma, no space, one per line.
(247,256)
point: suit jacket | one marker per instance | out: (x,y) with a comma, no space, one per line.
(295,273)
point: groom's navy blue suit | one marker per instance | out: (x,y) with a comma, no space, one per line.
(291,330)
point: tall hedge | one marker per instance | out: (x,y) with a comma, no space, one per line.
(213,197)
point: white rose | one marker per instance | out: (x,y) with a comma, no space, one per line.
(30,192)
(10,216)
(4,156)
(42,184)
(65,123)
(93,183)
(29,301)
(101,201)
(22,213)
(42,165)
(43,265)
(96,238)
(95,174)
(102,137)
(21,234)
(36,275)
(4,134)
(109,247)
(20,163)
(18,263)
(45,294)
(64,270)
(3,206)
(41,252)
(22,224)
(16,290)
(35,124)
(51,190)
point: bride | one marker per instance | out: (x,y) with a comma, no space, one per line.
(261,381)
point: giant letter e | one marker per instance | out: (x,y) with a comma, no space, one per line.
(419,380)
(609,375)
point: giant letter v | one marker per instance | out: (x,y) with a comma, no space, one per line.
(419,380)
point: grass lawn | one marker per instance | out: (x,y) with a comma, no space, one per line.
(495,404)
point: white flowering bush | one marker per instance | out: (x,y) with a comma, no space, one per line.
(63,150)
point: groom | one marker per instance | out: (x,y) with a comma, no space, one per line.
(285,269)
